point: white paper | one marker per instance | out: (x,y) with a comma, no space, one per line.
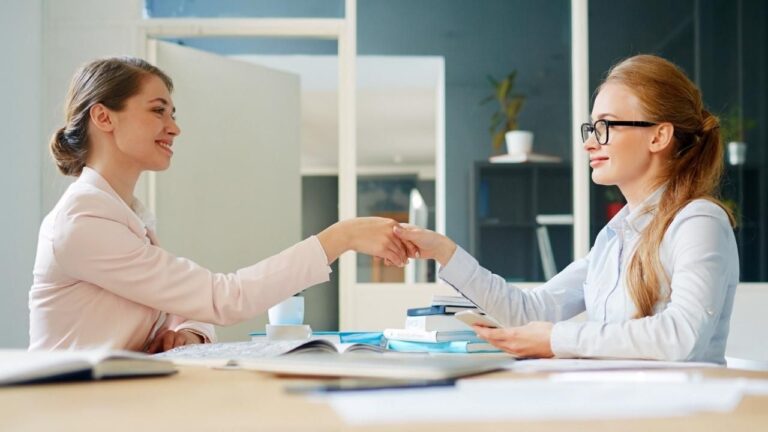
(568,365)
(625,376)
(755,387)
(536,400)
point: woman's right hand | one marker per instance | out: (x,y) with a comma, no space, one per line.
(429,244)
(369,235)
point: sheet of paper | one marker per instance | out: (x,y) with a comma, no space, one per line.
(627,376)
(536,400)
(755,387)
(566,365)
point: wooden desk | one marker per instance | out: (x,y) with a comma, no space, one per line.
(205,399)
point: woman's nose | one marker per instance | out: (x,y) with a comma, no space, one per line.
(173,128)
(591,143)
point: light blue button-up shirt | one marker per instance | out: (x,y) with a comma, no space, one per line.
(690,322)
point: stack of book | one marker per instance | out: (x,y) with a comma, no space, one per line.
(434,329)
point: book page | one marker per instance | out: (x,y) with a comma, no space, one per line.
(226,354)
(229,351)
(358,347)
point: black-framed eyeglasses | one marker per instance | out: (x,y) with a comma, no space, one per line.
(600,128)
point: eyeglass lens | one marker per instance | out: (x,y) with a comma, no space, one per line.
(599,128)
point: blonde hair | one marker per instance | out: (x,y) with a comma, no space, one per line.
(109,81)
(692,172)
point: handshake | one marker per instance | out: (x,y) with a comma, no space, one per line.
(387,239)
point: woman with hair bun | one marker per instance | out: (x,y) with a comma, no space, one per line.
(100,278)
(659,281)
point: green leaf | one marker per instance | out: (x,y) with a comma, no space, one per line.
(502,91)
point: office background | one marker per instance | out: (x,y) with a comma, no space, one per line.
(722,44)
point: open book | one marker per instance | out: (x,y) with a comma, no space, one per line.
(321,357)
(232,353)
(22,366)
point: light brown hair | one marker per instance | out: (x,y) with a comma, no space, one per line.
(692,172)
(109,81)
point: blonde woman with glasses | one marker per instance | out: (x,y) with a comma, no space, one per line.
(660,279)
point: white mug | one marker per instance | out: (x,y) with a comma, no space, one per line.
(288,312)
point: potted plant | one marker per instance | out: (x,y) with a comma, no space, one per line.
(504,121)
(733,127)
(614,201)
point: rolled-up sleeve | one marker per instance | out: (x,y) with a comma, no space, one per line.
(703,267)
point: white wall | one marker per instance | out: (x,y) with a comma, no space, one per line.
(22,145)
(42,43)
(76,31)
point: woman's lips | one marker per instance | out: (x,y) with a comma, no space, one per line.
(595,162)
(165,146)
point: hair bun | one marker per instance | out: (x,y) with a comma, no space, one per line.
(68,155)
(60,136)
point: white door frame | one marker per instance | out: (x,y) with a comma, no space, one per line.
(344,30)
(579,114)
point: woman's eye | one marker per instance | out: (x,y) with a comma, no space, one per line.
(160,111)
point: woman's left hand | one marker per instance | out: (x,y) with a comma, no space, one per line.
(531,340)
(170,339)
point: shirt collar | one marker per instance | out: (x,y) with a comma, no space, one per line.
(638,218)
(92,177)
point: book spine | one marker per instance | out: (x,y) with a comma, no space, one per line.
(438,310)
(432,310)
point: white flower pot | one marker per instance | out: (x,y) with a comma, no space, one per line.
(519,142)
(737,152)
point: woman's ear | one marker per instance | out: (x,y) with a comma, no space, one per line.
(662,139)
(102,118)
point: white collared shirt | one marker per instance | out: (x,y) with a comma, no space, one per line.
(690,322)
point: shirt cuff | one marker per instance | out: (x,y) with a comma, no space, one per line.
(564,339)
(459,269)
(206,331)
(319,252)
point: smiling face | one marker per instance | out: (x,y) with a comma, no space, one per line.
(626,160)
(145,128)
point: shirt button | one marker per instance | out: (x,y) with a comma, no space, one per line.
(710,312)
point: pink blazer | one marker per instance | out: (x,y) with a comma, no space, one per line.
(101,280)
